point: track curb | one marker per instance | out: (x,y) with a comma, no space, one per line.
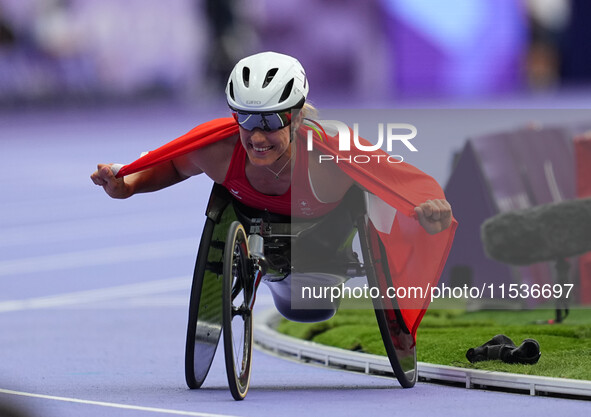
(267,338)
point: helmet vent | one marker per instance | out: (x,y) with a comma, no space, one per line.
(231,88)
(286,91)
(269,77)
(245,76)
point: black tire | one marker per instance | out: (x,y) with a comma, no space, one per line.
(398,341)
(237,317)
(205,309)
(400,347)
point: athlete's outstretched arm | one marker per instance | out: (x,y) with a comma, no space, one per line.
(213,159)
(152,179)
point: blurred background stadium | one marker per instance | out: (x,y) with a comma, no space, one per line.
(376,51)
(89,81)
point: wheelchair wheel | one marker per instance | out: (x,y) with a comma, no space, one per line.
(400,347)
(237,317)
(398,341)
(205,308)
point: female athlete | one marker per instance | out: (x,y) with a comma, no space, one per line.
(267,94)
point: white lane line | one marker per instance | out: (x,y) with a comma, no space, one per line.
(79,229)
(113,405)
(94,257)
(102,294)
(134,303)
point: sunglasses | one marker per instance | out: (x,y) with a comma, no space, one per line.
(268,122)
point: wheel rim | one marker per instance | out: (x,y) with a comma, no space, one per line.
(398,342)
(241,317)
(237,317)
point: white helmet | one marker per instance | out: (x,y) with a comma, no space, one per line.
(267,82)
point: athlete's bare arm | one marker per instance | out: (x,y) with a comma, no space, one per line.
(331,184)
(152,179)
(212,160)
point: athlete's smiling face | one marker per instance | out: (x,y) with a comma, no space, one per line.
(264,148)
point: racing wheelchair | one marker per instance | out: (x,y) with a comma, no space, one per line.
(241,246)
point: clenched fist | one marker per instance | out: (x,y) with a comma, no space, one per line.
(434,215)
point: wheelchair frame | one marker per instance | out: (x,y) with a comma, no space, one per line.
(222,293)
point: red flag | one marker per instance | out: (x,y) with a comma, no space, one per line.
(203,135)
(415,258)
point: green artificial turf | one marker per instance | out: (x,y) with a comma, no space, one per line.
(444,336)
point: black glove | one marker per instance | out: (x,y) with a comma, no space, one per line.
(503,348)
(491,350)
(528,353)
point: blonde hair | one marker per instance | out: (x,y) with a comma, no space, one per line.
(309,111)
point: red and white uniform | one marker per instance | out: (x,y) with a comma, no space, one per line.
(299,200)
